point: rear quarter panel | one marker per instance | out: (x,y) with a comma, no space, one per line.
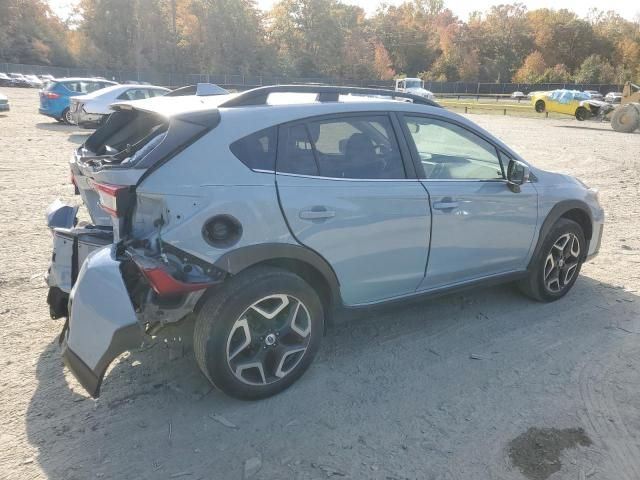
(206,180)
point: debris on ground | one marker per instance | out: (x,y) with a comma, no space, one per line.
(252,466)
(223,421)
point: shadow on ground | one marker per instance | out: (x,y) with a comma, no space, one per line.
(435,388)
(578,127)
(76,136)
(55,126)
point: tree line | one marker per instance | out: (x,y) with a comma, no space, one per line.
(326,38)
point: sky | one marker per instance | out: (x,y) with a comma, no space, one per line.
(629,9)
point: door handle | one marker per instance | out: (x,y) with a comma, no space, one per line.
(317,213)
(450,205)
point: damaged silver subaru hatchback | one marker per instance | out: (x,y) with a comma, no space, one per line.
(263,212)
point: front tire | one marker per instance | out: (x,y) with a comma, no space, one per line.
(540,106)
(259,333)
(558,263)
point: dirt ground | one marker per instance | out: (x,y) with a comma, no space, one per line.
(443,389)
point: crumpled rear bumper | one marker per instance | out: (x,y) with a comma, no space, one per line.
(102,323)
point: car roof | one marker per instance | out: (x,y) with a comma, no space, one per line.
(121,88)
(83,79)
(171,106)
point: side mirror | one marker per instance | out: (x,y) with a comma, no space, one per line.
(517,173)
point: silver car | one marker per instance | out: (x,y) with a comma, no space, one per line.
(264,212)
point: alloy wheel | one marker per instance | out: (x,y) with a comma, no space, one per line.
(68,117)
(268,340)
(562,263)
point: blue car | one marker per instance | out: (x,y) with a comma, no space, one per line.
(54,97)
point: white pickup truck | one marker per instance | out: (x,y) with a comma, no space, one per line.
(414,86)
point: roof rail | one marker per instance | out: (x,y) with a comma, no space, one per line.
(326,93)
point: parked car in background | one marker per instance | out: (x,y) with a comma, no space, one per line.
(54,97)
(202,206)
(594,94)
(200,89)
(89,111)
(34,81)
(19,80)
(46,77)
(4,103)
(518,95)
(569,102)
(414,86)
(613,97)
(5,80)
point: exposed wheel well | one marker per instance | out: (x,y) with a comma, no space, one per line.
(581,218)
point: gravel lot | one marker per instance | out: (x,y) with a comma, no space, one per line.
(455,388)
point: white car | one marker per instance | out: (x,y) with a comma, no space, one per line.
(89,111)
(4,103)
(414,86)
(34,81)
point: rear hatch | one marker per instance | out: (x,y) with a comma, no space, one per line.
(136,139)
(47,94)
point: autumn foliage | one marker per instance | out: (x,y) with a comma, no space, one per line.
(325,38)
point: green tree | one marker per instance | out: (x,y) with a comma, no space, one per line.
(595,69)
(503,37)
(31,33)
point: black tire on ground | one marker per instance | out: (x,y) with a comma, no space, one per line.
(582,114)
(66,116)
(540,106)
(217,327)
(626,118)
(535,285)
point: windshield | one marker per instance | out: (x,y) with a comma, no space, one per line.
(414,84)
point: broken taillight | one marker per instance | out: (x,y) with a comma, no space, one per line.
(112,198)
(162,281)
(164,284)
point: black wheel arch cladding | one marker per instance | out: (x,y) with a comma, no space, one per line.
(575,210)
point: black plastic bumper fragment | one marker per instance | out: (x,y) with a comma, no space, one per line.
(87,378)
(124,339)
(58,303)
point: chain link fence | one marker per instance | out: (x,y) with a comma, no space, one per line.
(239,81)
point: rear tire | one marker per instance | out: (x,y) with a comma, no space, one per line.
(258,333)
(540,106)
(557,265)
(66,116)
(626,118)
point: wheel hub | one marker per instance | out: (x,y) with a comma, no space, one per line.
(562,262)
(269,339)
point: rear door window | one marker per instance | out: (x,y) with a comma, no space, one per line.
(88,87)
(134,94)
(75,86)
(356,147)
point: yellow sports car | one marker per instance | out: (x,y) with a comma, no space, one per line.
(569,102)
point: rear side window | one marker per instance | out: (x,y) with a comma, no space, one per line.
(258,150)
(73,86)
